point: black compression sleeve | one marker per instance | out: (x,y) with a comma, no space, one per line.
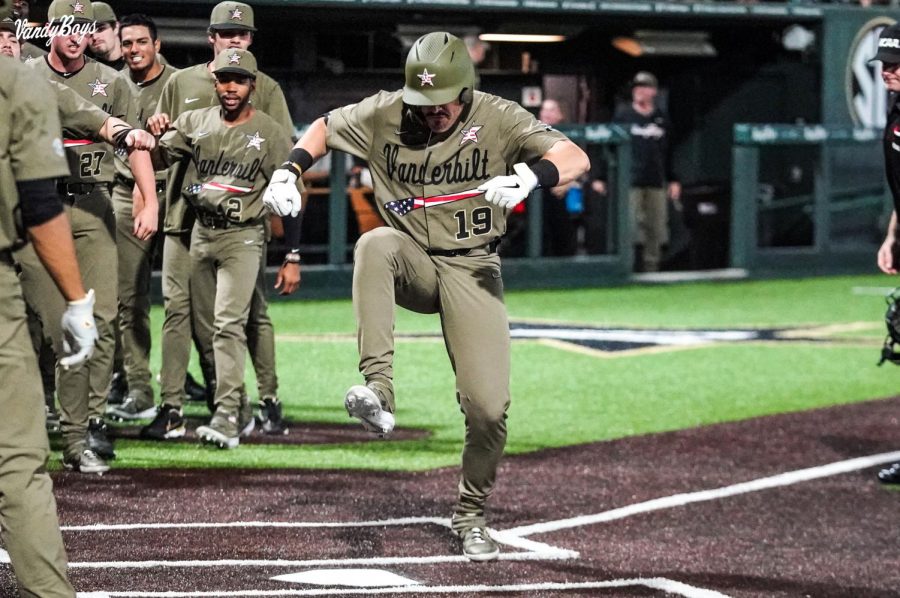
(292,230)
(38,201)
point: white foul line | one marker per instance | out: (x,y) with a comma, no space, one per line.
(655,583)
(4,556)
(678,500)
(442,521)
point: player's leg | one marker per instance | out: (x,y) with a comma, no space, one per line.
(389,268)
(233,257)
(476,330)
(261,344)
(95,246)
(28,519)
(639,222)
(657,229)
(134,270)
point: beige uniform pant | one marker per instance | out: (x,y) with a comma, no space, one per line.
(28,519)
(390,268)
(135,269)
(224,267)
(650,223)
(82,390)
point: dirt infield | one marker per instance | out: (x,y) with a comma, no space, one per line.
(563,516)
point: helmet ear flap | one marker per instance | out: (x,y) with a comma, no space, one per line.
(466,95)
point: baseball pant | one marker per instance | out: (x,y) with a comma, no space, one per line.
(649,221)
(81,391)
(28,520)
(260,335)
(176,331)
(135,268)
(390,268)
(222,261)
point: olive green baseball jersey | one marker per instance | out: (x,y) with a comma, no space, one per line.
(144,99)
(193,88)
(30,143)
(90,161)
(232,165)
(79,118)
(430,192)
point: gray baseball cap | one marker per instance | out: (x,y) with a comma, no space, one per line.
(232,15)
(81,10)
(889,45)
(644,79)
(239,62)
(104,13)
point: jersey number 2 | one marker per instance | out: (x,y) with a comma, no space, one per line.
(480,223)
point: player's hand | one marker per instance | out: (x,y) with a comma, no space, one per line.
(282,196)
(139,139)
(79,331)
(509,190)
(146,223)
(288,279)
(158,124)
(886,257)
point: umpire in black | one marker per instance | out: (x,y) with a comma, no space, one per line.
(889,55)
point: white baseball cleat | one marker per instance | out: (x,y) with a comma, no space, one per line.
(363,404)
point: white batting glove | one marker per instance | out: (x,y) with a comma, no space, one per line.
(508,191)
(79,331)
(282,196)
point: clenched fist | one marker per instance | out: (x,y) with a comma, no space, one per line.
(282,196)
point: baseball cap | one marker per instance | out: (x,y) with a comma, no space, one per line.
(81,10)
(240,62)
(889,45)
(644,79)
(104,13)
(8,24)
(232,15)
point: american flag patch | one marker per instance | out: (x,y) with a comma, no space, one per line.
(402,207)
(198,187)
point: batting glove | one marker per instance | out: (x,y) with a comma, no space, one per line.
(282,196)
(79,331)
(508,191)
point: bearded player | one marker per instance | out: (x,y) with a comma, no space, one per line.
(449,163)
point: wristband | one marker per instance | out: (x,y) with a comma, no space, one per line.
(292,257)
(547,174)
(298,161)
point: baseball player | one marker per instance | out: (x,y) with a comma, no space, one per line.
(31,154)
(106,46)
(9,43)
(82,392)
(449,164)
(231,27)
(233,148)
(889,55)
(141,47)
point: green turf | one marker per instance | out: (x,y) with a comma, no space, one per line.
(562,397)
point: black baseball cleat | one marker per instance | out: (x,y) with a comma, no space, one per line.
(118,388)
(98,441)
(168,423)
(890,475)
(193,390)
(269,417)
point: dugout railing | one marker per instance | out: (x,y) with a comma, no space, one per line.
(806,199)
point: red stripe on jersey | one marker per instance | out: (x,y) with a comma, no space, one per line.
(226,187)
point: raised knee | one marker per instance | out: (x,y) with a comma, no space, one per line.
(379,242)
(483,412)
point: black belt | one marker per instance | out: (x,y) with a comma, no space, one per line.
(126,182)
(214,220)
(70,189)
(490,248)
(6,257)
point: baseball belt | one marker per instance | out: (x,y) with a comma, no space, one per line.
(489,247)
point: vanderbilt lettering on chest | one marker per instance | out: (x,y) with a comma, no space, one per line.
(458,169)
(219,166)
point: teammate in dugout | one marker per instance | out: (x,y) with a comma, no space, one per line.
(889,55)
(233,148)
(31,155)
(449,163)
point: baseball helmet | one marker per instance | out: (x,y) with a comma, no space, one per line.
(438,71)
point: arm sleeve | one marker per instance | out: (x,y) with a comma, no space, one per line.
(292,227)
(351,128)
(38,201)
(35,148)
